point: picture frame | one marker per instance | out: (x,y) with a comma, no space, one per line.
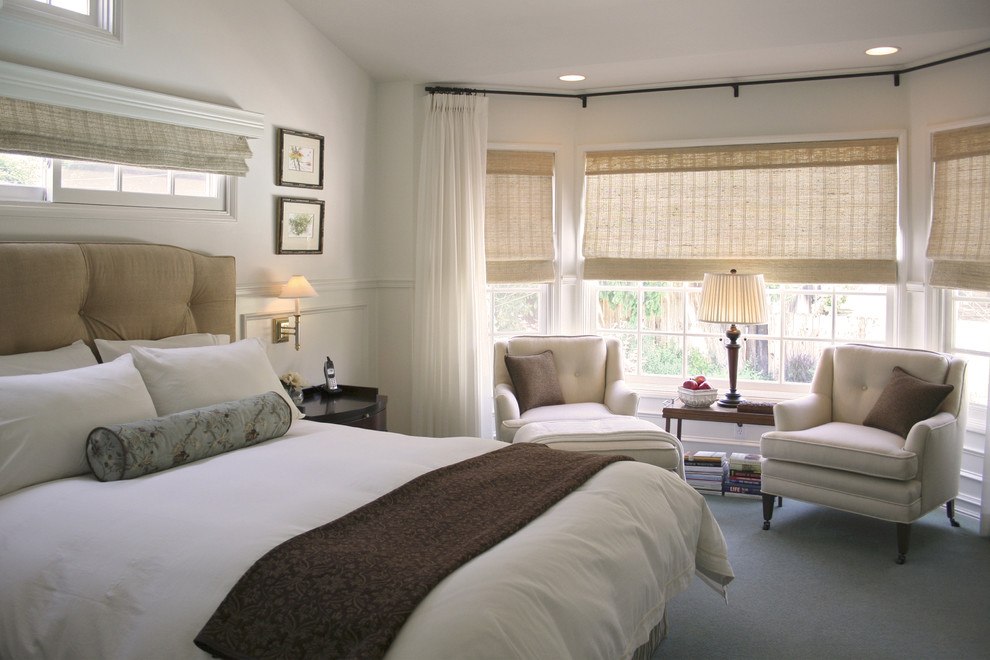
(300,159)
(299,226)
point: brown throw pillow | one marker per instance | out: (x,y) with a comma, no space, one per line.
(535,380)
(905,401)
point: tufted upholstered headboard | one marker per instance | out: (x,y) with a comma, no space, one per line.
(52,294)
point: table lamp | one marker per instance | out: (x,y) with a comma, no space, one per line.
(733,298)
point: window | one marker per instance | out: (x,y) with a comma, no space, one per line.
(31,178)
(517,309)
(658,327)
(821,214)
(958,242)
(519,240)
(968,327)
(90,18)
(960,251)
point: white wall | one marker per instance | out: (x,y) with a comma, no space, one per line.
(258,55)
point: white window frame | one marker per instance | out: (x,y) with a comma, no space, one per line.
(57,202)
(663,385)
(547,291)
(543,291)
(118,197)
(770,389)
(944,320)
(102,23)
(976,418)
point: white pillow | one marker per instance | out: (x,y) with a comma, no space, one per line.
(46,418)
(181,379)
(111,349)
(73,356)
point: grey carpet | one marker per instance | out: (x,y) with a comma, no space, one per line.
(823,584)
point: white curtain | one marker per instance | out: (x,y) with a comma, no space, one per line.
(452,356)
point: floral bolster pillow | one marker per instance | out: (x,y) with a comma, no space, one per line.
(125,451)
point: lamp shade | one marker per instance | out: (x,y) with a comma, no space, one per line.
(297,287)
(733,298)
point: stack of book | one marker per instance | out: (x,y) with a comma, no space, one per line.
(743,474)
(704,470)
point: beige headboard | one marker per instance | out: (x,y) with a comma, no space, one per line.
(52,294)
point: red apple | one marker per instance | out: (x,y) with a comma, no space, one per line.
(699,379)
(704,386)
(689,385)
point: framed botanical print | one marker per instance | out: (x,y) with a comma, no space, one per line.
(300,159)
(299,228)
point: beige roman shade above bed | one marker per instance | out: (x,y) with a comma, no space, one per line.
(52,294)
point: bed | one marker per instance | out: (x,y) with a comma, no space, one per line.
(135,567)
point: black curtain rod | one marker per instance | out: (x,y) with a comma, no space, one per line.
(734,85)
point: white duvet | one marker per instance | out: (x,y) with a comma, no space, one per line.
(133,569)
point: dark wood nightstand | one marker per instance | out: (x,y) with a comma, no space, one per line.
(353,406)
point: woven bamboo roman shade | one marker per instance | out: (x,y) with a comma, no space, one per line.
(40,129)
(959,242)
(822,212)
(519,217)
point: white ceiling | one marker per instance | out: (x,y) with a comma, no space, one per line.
(526,44)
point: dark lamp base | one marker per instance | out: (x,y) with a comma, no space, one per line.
(730,400)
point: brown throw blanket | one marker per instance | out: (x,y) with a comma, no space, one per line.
(345,589)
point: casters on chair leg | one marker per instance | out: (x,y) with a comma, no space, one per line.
(768,501)
(903,538)
(950,511)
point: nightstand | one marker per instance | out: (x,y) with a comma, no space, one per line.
(354,406)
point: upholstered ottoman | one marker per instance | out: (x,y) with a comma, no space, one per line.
(629,436)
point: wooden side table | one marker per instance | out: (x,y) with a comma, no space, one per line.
(353,406)
(713,413)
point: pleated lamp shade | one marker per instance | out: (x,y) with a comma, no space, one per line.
(733,298)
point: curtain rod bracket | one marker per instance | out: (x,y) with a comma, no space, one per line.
(897,80)
(735,91)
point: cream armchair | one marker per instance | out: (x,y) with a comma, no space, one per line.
(827,448)
(589,372)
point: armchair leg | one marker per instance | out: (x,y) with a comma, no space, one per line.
(768,501)
(903,538)
(950,511)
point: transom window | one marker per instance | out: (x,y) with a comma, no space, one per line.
(30,178)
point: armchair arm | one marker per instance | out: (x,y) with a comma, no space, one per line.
(506,404)
(802,413)
(620,398)
(938,444)
(940,427)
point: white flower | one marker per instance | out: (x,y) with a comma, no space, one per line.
(293,379)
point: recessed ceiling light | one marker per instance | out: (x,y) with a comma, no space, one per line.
(572,77)
(882,50)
